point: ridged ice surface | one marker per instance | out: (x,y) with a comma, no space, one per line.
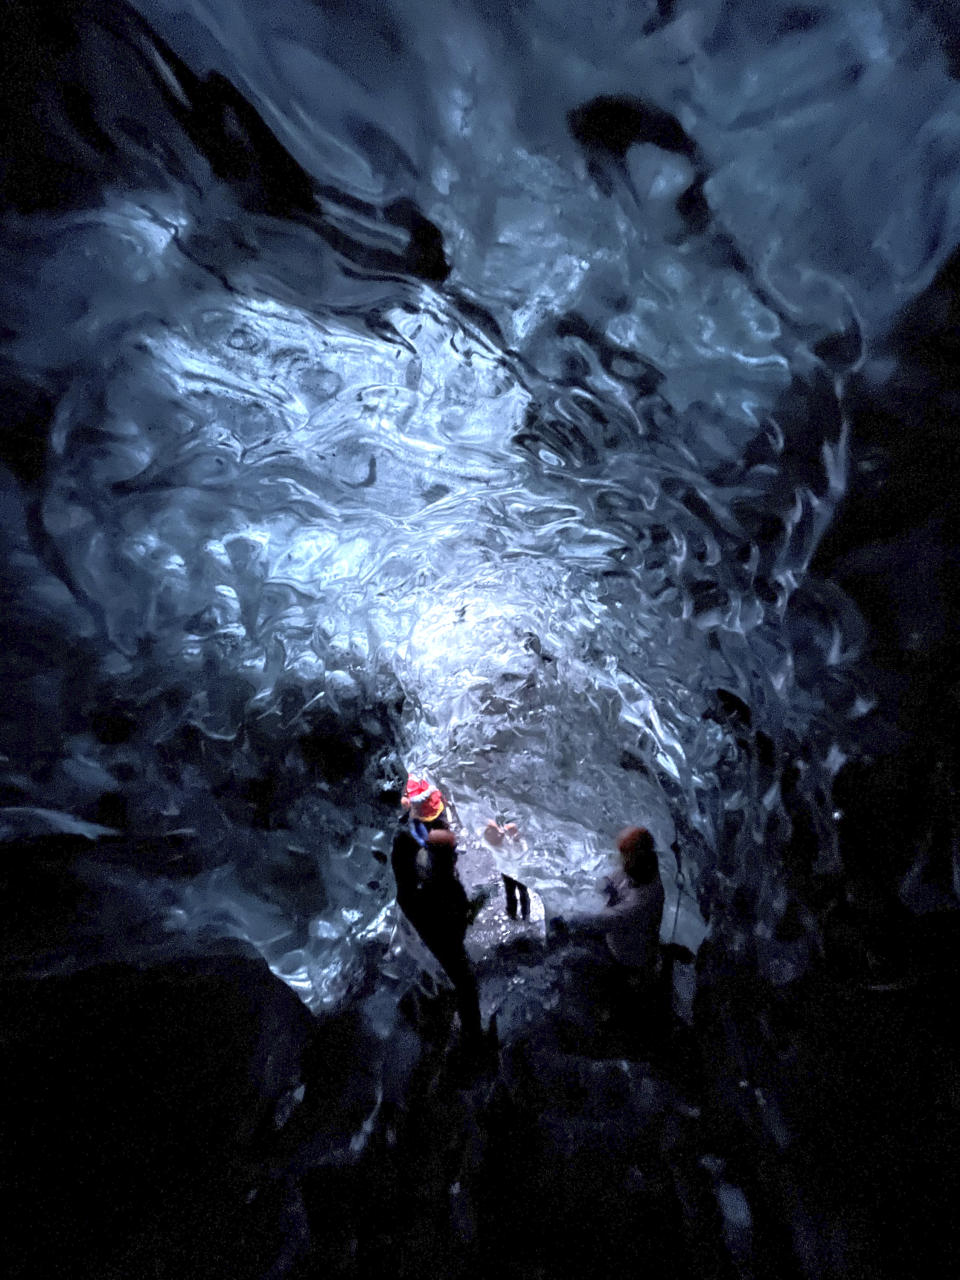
(557,499)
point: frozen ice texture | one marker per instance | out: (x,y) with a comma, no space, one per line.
(540,527)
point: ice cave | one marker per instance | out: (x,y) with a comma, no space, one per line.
(556,401)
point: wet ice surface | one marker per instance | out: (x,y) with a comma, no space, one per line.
(494,928)
(533,513)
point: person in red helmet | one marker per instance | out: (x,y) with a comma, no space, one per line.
(424,802)
(430,894)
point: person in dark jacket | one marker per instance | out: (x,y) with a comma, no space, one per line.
(431,895)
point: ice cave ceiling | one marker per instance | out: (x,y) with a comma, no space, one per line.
(473,387)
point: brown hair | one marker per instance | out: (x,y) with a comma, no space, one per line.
(638,854)
(440,836)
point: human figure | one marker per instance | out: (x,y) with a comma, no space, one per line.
(430,894)
(630,923)
(632,916)
(494,833)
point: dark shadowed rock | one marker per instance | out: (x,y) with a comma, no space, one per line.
(139,1104)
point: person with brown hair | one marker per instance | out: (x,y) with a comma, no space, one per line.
(635,901)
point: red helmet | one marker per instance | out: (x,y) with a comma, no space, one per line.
(425,800)
(430,807)
(416,790)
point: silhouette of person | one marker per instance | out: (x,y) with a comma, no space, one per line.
(431,895)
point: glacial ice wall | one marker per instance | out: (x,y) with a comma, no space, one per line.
(456,387)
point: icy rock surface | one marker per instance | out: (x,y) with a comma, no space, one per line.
(469,401)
